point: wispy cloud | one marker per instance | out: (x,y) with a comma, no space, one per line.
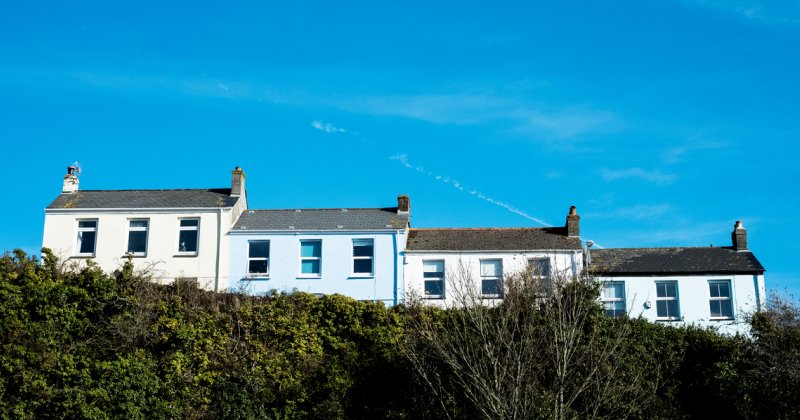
(326,127)
(541,121)
(637,212)
(655,176)
(403,159)
(679,153)
(761,11)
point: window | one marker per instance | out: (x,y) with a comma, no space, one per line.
(258,259)
(363,251)
(667,300)
(310,258)
(87,237)
(539,266)
(433,273)
(720,302)
(491,278)
(137,237)
(613,295)
(188,234)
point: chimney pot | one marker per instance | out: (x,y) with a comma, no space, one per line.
(403,204)
(237,182)
(739,236)
(573,223)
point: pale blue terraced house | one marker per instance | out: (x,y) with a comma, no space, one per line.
(355,252)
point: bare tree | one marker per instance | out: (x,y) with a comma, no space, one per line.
(544,350)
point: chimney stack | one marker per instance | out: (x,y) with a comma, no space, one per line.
(403,204)
(739,237)
(70,181)
(237,183)
(573,223)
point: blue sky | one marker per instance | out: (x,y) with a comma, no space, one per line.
(662,121)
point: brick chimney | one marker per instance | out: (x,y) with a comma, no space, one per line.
(403,204)
(739,237)
(237,182)
(70,181)
(573,223)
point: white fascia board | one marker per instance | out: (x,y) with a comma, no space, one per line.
(139,210)
(491,251)
(314,232)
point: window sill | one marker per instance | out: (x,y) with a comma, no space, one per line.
(256,278)
(669,319)
(83,256)
(720,319)
(362,276)
(127,254)
(434,297)
(186,255)
(309,277)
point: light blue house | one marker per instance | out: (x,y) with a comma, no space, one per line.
(354,252)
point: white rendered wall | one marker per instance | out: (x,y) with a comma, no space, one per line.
(748,292)
(567,263)
(336,272)
(60,235)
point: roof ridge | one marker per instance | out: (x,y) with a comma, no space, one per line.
(664,247)
(156,189)
(322,208)
(489,228)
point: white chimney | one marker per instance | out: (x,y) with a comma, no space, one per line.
(70,181)
(237,182)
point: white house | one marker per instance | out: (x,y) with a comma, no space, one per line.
(178,233)
(707,286)
(433,256)
(351,251)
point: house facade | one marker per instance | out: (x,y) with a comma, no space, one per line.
(352,251)
(437,261)
(174,233)
(716,287)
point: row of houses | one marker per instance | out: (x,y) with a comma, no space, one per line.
(214,238)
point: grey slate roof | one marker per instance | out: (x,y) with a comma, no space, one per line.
(321,219)
(143,199)
(491,239)
(675,260)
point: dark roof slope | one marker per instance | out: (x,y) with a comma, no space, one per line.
(490,239)
(321,219)
(675,260)
(143,199)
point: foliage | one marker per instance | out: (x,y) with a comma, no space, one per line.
(77,342)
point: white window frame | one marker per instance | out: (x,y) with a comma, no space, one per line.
(440,278)
(371,258)
(318,274)
(251,258)
(145,229)
(676,299)
(79,239)
(728,299)
(196,229)
(611,301)
(536,262)
(498,278)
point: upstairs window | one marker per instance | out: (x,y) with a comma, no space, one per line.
(87,237)
(188,236)
(720,303)
(667,301)
(613,295)
(491,278)
(258,258)
(433,274)
(363,254)
(137,237)
(310,258)
(539,266)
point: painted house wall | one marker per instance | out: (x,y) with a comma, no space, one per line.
(60,235)
(336,273)
(568,263)
(748,293)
